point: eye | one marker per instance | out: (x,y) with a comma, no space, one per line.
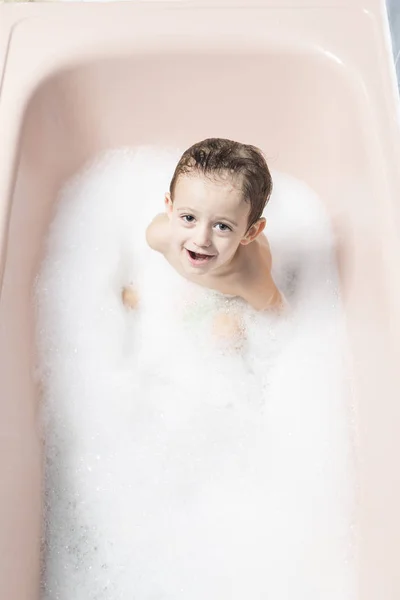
(223,227)
(187,218)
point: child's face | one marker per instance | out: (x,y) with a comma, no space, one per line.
(209,221)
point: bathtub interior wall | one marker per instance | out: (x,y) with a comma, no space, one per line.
(276,101)
(299,108)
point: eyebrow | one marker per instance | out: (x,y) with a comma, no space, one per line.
(191,210)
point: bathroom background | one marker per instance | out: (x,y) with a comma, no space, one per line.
(393,8)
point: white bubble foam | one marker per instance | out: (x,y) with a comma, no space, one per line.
(177,467)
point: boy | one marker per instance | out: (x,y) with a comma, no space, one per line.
(212,230)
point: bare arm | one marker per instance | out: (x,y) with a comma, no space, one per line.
(157,237)
(158,233)
(130,297)
(262,294)
(257,286)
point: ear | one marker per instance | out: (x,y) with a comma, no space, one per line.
(168,203)
(254,231)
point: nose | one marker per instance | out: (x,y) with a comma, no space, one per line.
(202,238)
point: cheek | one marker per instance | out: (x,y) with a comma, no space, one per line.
(175,225)
(226,245)
(179,232)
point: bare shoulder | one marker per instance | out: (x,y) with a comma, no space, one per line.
(264,250)
(256,283)
(158,233)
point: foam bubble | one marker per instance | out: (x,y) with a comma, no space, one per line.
(176,466)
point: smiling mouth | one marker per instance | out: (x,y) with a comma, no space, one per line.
(198,259)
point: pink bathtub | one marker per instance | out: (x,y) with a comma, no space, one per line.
(312,83)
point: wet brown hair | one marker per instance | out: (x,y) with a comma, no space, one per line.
(217,158)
